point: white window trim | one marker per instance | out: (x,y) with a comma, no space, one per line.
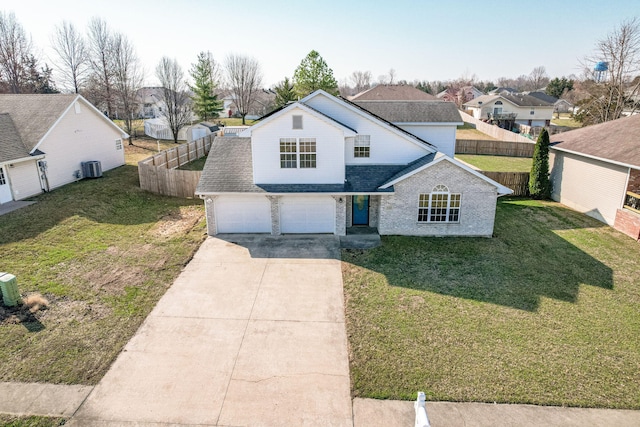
(362,141)
(440,190)
(298,153)
(119,144)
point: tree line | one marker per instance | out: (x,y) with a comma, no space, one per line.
(103,66)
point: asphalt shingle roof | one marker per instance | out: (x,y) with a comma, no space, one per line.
(33,115)
(517,99)
(616,140)
(393,93)
(413,111)
(416,164)
(11,146)
(229,169)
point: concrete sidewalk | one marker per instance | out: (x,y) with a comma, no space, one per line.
(395,413)
(50,400)
(251,333)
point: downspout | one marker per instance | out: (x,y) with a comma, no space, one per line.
(44,180)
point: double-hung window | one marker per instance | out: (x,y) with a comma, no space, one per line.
(362,146)
(439,206)
(288,153)
(297,153)
(307,152)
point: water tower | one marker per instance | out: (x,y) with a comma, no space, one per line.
(600,70)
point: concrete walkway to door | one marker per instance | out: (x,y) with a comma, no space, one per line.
(251,333)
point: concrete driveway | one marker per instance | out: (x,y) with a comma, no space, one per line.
(251,333)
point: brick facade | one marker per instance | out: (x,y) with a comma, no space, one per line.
(275,215)
(341,215)
(399,212)
(209,202)
(634,181)
(628,222)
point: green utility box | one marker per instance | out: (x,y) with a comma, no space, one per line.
(9,285)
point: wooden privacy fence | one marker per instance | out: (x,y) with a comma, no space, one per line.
(517,181)
(495,148)
(159,174)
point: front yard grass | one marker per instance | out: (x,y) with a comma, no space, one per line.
(20,421)
(546,312)
(497,163)
(102,252)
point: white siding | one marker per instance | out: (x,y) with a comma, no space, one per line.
(25,181)
(540,114)
(265,146)
(387,147)
(586,185)
(442,136)
(79,138)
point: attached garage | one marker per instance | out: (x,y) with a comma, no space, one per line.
(243,214)
(307,214)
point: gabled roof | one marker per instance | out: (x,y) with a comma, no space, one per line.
(430,160)
(371,116)
(299,105)
(11,146)
(413,111)
(544,97)
(34,115)
(393,93)
(519,100)
(616,142)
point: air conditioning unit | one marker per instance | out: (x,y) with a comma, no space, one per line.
(92,169)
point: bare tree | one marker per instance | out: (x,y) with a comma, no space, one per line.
(70,47)
(101,60)
(361,80)
(617,91)
(175,99)
(128,78)
(15,53)
(538,78)
(392,76)
(244,79)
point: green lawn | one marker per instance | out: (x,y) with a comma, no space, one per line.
(196,165)
(566,120)
(497,163)
(546,312)
(102,252)
(18,421)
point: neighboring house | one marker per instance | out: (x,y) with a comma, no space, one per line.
(518,108)
(464,94)
(593,170)
(323,164)
(563,106)
(45,138)
(393,93)
(432,121)
(263,104)
(503,89)
(149,100)
(159,129)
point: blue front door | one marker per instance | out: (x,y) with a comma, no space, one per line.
(360,210)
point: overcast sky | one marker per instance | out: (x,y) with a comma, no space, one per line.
(419,39)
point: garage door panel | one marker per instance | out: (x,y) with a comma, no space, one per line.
(243,215)
(307,215)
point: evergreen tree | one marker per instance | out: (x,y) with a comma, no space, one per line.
(539,185)
(557,87)
(205,102)
(284,93)
(312,74)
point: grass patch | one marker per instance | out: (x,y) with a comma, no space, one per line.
(546,313)
(566,120)
(473,134)
(102,252)
(196,165)
(19,421)
(497,163)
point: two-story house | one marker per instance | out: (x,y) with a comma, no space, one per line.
(323,164)
(519,108)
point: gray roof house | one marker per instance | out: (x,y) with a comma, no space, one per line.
(389,92)
(519,108)
(433,121)
(323,165)
(596,170)
(45,138)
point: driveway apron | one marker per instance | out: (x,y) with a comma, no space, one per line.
(251,333)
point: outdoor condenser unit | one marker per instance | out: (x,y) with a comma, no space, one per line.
(92,169)
(9,285)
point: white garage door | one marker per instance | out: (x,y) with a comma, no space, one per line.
(307,214)
(243,214)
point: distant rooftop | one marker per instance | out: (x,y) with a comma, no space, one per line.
(393,93)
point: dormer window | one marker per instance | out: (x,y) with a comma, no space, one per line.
(297,122)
